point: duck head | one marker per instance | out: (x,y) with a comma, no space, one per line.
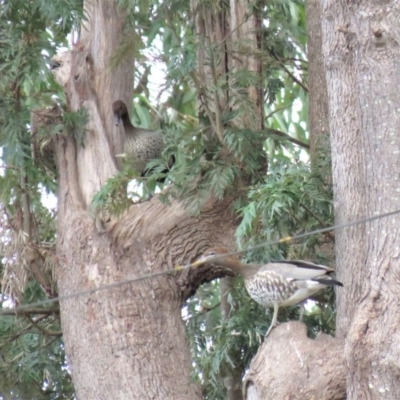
(120,111)
(209,254)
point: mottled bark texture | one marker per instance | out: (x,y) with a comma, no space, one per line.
(129,342)
(289,365)
(362,58)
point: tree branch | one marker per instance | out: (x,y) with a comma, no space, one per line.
(31,311)
(277,110)
(141,87)
(201,230)
(24,331)
(288,137)
(298,81)
(328,234)
(217,102)
(43,330)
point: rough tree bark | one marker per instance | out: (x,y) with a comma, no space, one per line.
(289,365)
(362,58)
(129,342)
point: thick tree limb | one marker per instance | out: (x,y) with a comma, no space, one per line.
(289,365)
(287,137)
(215,226)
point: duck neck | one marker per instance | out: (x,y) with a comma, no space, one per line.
(246,270)
(127,122)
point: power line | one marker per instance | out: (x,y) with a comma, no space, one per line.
(187,266)
(305,234)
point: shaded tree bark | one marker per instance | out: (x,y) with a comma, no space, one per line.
(246,44)
(318,96)
(318,107)
(362,55)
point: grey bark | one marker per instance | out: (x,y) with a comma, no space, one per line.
(362,58)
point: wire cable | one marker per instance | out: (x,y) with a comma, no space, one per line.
(179,268)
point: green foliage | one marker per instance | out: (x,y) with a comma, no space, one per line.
(32,364)
(293,199)
(31,32)
(206,167)
(203,168)
(218,345)
(112,197)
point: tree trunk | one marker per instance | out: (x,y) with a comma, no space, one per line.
(318,114)
(318,96)
(246,32)
(127,342)
(214,56)
(362,58)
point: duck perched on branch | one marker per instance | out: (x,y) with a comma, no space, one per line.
(141,145)
(276,284)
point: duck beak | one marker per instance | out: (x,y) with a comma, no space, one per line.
(117,119)
(200,261)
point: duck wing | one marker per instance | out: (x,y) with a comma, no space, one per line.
(298,270)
